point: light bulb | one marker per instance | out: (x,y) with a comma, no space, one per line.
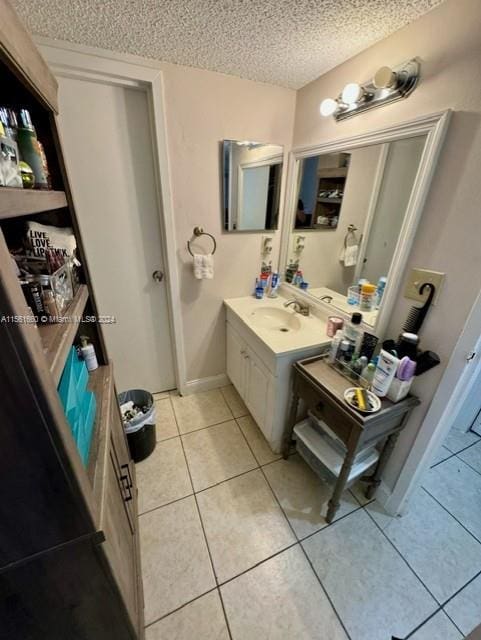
(384,78)
(352,93)
(328,107)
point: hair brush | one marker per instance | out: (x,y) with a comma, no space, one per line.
(416,316)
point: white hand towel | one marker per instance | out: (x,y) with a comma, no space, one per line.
(350,255)
(203,266)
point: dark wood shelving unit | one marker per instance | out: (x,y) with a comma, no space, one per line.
(23,202)
(63,517)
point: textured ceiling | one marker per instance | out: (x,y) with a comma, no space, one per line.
(284,42)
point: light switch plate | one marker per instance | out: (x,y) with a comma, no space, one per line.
(416,278)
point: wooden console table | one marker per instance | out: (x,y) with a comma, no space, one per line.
(321,388)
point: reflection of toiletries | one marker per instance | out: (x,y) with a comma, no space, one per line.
(353,295)
(304,285)
(259,292)
(367,297)
(88,354)
(298,278)
(336,341)
(334,323)
(291,271)
(381,285)
(273,286)
(353,331)
(385,371)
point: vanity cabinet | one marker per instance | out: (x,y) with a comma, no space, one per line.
(261,376)
(251,378)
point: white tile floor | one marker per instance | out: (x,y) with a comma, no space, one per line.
(235,545)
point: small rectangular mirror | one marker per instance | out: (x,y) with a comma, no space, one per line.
(251,177)
(361,195)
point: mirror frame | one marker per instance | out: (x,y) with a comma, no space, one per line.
(284,155)
(434,127)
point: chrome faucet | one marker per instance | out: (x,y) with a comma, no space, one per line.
(327,299)
(299,306)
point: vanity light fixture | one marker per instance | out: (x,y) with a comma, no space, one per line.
(388,85)
(328,107)
(352,93)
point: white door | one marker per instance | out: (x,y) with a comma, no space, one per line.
(107,144)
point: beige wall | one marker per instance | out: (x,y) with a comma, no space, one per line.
(203,108)
(448,42)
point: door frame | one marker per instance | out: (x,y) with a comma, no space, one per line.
(89,63)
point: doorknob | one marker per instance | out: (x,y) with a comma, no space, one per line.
(158,275)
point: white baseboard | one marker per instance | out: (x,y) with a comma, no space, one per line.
(205,384)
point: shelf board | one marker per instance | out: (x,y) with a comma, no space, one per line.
(333,172)
(330,200)
(22,202)
(57,338)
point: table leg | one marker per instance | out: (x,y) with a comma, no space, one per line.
(375,479)
(335,500)
(290,425)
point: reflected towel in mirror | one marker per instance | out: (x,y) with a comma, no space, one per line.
(349,255)
(203,266)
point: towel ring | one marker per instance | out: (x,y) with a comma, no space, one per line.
(198,231)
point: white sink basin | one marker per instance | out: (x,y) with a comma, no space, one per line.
(276,319)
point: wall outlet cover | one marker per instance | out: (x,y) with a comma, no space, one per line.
(418,277)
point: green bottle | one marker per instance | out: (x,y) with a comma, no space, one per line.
(30,150)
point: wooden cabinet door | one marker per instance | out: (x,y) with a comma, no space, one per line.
(120,544)
(125,463)
(258,392)
(236,356)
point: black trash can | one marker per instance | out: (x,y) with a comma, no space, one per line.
(140,430)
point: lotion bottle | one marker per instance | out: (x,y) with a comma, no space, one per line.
(88,354)
(385,371)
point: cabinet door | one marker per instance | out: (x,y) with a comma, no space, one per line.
(258,392)
(125,464)
(236,355)
(120,543)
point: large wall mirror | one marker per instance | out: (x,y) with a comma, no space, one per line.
(352,216)
(252,177)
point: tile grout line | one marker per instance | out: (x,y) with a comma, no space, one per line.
(301,547)
(205,536)
(404,559)
(455,453)
(182,606)
(452,515)
(449,618)
(467,463)
(411,633)
(200,520)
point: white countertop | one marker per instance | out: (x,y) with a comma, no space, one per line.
(305,331)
